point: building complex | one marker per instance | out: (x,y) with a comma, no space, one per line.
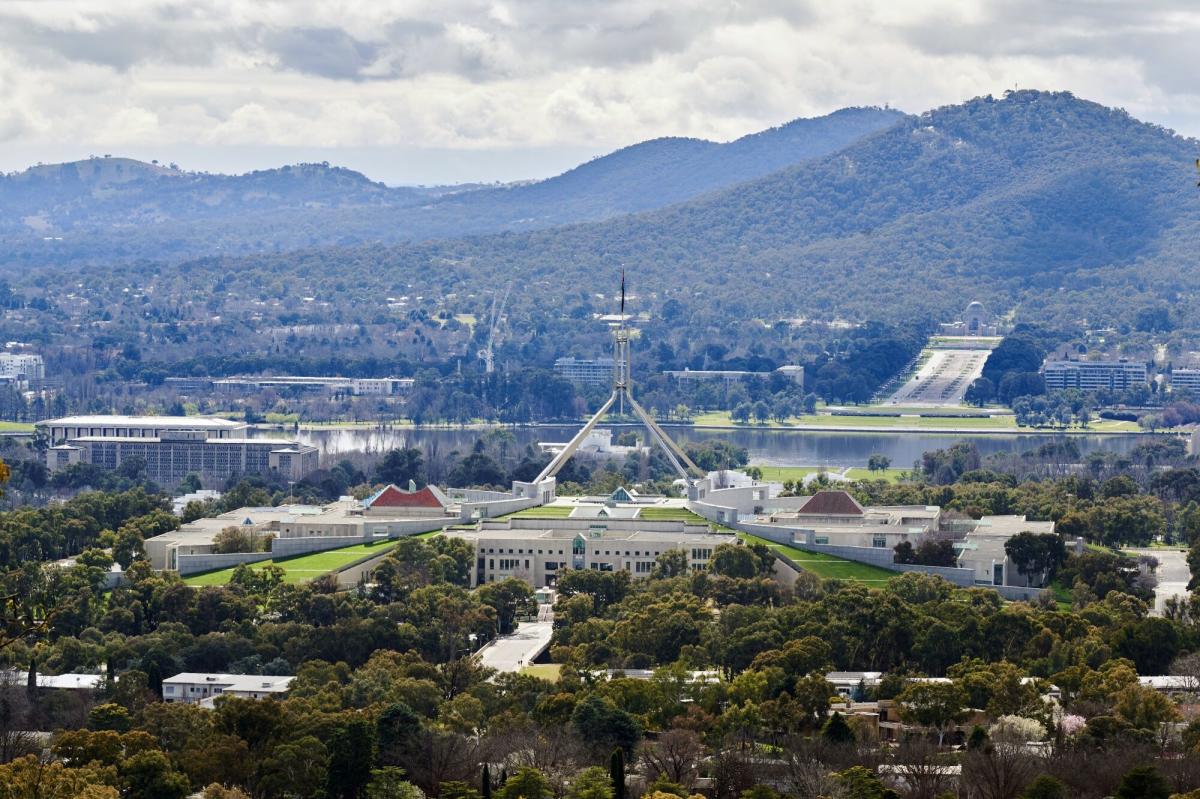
(792,372)
(1186,380)
(585,371)
(173,446)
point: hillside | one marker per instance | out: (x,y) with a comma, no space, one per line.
(1027,200)
(112,208)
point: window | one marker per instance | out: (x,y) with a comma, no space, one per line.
(551,565)
(821,539)
(643,567)
(168,689)
(701,554)
(879,541)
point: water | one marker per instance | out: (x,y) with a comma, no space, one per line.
(768,445)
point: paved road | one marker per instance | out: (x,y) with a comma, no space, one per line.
(512,652)
(942,380)
(1173,575)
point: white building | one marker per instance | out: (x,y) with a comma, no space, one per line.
(1094,375)
(173,446)
(594,372)
(1186,380)
(791,372)
(201,689)
(292,384)
(22,367)
(982,550)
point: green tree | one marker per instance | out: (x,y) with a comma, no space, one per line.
(616,773)
(352,747)
(591,783)
(938,706)
(1045,787)
(879,463)
(837,731)
(389,783)
(510,598)
(149,775)
(1143,782)
(527,783)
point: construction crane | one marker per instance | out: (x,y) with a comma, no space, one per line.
(488,353)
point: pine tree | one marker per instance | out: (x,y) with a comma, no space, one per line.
(486,784)
(616,770)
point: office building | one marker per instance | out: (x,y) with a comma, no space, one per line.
(22,367)
(1186,380)
(201,689)
(1093,375)
(588,372)
(295,386)
(174,446)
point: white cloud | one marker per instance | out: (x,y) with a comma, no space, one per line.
(505,75)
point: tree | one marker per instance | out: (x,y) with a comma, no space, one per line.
(1045,787)
(938,706)
(399,466)
(352,748)
(591,783)
(32,778)
(837,731)
(510,598)
(389,783)
(527,783)
(616,772)
(675,757)
(879,463)
(149,775)
(672,563)
(1143,782)
(1037,557)
(732,560)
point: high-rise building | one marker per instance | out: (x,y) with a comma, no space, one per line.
(1186,380)
(590,372)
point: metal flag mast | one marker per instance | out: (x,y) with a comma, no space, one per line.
(622,391)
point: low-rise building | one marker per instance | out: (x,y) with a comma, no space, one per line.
(983,548)
(173,446)
(296,385)
(836,518)
(22,367)
(792,372)
(1093,375)
(201,689)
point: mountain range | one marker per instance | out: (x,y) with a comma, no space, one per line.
(1039,202)
(108,206)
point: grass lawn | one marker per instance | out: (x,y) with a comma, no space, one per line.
(544,671)
(671,515)
(827,566)
(282,418)
(782,474)
(16,427)
(542,512)
(302,568)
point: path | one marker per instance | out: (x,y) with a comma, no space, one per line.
(516,650)
(1172,573)
(942,380)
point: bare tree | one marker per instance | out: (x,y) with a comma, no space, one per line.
(918,768)
(675,756)
(999,771)
(15,711)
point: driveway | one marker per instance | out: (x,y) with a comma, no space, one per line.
(516,650)
(1172,574)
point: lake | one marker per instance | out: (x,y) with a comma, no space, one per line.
(768,445)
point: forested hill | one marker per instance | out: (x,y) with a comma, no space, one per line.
(657,173)
(112,208)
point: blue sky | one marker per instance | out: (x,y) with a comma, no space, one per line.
(418,91)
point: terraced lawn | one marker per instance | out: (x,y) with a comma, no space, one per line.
(543,512)
(782,474)
(827,566)
(671,515)
(302,568)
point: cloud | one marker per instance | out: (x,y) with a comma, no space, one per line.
(510,74)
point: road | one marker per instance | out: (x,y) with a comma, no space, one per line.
(1172,574)
(514,651)
(942,380)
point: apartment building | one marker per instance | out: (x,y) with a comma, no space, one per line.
(1093,375)
(591,372)
(172,447)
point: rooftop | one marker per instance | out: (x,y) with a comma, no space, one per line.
(211,422)
(392,497)
(259,683)
(832,503)
(672,536)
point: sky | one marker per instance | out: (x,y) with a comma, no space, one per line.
(450,91)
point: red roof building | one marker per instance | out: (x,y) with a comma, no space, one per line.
(419,502)
(831,503)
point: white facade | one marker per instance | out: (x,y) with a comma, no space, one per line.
(1186,380)
(539,556)
(22,366)
(353,386)
(67,427)
(597,372)
(196,688)
(1094,375)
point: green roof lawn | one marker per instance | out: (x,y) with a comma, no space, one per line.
(302,568)
(827,566)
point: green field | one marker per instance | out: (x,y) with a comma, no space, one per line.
(544,671)
(16,427)
(782,474)
(542,512)
(827,566)
(302,568)
(671,515)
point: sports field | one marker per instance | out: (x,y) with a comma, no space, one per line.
(827,566)
(301,568)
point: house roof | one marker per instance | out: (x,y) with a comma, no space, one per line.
(392,497)
(832,503)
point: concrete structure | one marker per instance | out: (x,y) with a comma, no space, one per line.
(296,385)
(792,372)
(201,689)
(982,549)
(294,529)
(57,682)
(943,379)
(172,446)
(203,495)
(1093,375)
(1186,380)
(835,517)
(588,372)
(976,320)
(21,367)
(598,442)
